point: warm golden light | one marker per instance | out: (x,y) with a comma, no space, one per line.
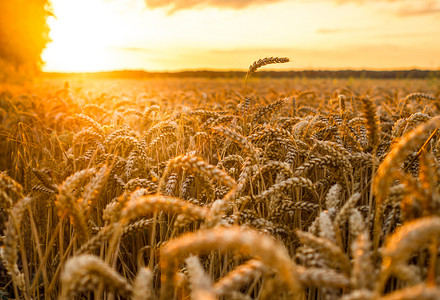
(98,35)
(85,34)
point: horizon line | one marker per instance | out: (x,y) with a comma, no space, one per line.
(245,70)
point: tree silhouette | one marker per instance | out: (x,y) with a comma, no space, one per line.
(23,34)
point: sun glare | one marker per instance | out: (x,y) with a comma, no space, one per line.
(85,35)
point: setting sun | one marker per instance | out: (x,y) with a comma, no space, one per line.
(85,34)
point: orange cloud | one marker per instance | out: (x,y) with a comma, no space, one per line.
(175,5)
(422,8)
(404,8)
(401,8)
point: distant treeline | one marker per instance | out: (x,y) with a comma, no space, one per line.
(401,74)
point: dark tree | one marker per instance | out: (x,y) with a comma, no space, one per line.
(23,34)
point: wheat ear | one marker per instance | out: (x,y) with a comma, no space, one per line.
(418,292)
(293,182)
(12,233)
(240,276)
(83,272)
(399,152)
(271,253)
(138,206)
(332,253)
(200,283)
(408,239)
(9,189)
(195,163)
(360,295)
(322,277)
(143,285)
(362,275)
(332,198)
(263,62)
(66,202)
(240,140)
(392,161)
(372,123)
(266,61)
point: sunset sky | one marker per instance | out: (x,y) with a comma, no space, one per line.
(159,35)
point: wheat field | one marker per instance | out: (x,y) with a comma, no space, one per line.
(220,189)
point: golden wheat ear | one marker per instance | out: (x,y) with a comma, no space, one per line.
(143,288)
(266,61)
(200,283)
(247,242)
(81,273)
(263,62)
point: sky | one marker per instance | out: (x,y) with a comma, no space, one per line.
(173,35)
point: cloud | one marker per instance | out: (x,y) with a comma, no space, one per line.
(328,30)
(340,30)
(365,1)
(175,5)
(428,8)
(403,8)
